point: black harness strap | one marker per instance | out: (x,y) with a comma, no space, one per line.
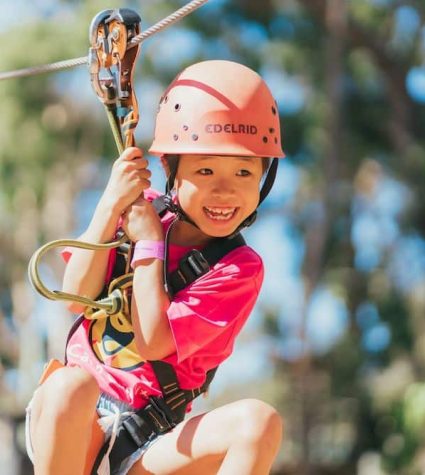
(197,263)
(174,397)
(158,417)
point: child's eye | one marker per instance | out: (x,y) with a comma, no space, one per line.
(244,173)
(205,171)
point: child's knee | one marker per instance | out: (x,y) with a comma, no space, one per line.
(70,389)
(258,422)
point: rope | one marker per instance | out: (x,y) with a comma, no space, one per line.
(71,63)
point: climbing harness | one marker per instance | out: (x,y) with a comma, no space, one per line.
(71,63)
(161,413)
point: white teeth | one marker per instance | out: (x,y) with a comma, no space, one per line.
(220,213)
(220,210)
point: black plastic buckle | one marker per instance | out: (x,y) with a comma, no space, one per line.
(197,262)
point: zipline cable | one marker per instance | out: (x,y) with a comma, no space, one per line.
(71,63)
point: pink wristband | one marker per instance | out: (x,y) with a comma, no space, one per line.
(148,250)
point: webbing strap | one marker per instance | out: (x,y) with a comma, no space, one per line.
(159,416)
(197,263)
(134,431)
(270,178)
(176,398)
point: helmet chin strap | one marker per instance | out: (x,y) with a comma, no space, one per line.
(182,216)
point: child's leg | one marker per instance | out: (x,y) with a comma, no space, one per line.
(242,437)
(61,421)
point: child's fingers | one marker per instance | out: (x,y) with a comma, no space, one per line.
(136,166)
(131,153)
(144,183)
(142,175)
(140,163)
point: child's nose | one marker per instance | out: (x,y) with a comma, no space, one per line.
(223,186)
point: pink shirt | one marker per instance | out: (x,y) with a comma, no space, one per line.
(205,319)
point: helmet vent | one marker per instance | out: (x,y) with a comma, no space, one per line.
(195,137)
(175,137)
(265,139)
(271,130)
(274,110)
(177,107)
(185,127)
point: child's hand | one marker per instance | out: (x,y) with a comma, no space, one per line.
(129,177)
(141,222)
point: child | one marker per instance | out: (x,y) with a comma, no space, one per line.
(216,130)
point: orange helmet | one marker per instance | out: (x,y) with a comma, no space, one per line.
(218,108)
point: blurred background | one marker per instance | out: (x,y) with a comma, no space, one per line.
(337,340)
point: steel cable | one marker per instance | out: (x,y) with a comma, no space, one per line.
(71,63)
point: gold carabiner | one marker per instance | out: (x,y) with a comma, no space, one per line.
(111,304)
(111,62)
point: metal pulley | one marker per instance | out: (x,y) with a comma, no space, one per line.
(111,60)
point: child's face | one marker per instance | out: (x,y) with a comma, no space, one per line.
(218,192)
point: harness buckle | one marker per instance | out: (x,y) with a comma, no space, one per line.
(160,414)
(195,262)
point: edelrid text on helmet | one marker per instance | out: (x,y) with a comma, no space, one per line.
(218,108)
(231,129)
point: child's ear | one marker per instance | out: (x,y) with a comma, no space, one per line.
(165,165)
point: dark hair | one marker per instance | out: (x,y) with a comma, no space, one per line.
(266,163)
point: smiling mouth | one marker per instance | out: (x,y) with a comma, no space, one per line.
(220,214)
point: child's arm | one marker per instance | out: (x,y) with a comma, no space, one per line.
(152,330)
(150,302)
(86,270)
